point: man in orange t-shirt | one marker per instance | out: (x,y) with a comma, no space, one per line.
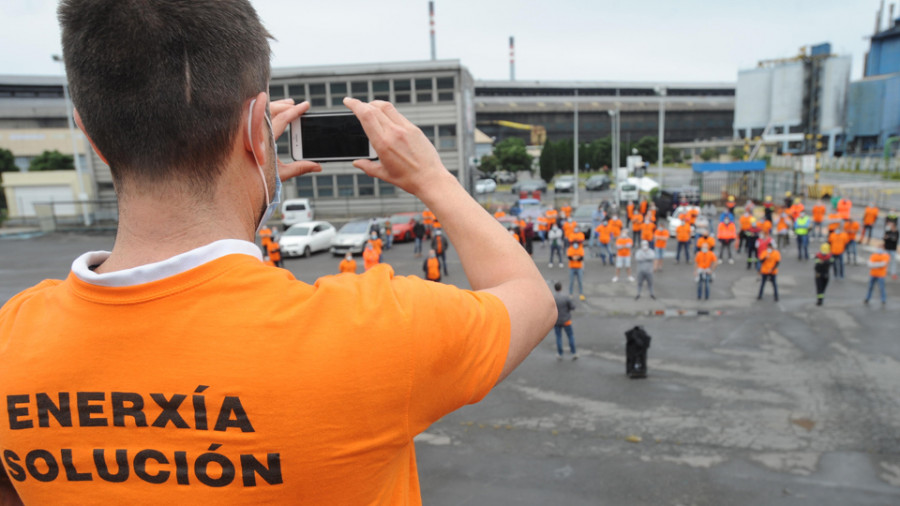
(838,241)
(615,226)
(770,259)
(705,265)
(604,235)
(637,223)
(745,222)
(660,239)
(647,231)
(870,216)
(878,263)
(683,236)
(726,234)
(623,255)
(191,373)
(348,264)
(575,253)
(818,217)
(851,226)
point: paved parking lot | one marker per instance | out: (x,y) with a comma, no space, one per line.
(756,403)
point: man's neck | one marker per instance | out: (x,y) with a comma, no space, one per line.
(151,230)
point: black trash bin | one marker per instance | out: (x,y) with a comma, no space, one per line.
(637,341)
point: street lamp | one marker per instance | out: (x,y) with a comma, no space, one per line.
(661,91)
(575,157)
(613,119)
(79,171)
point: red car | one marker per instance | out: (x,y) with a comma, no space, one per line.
(402,226)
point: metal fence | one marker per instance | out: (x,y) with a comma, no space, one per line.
(842,163)
(718,186)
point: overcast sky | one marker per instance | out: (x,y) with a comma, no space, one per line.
(585,40)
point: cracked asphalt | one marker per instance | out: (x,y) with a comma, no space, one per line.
(756,403)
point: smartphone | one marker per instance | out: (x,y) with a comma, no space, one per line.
(330,137)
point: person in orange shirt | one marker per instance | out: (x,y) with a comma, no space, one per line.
(647,231)
(615,225)
(623,255)
(629,211)
(376,244)
(660,239)
(651,213)
(878,263)
(428,217)
(432,267)
(818,217)
(566,211)
(844,206)
(870,216)
(440,245)
(568,228)
(783,229)
(770,259)
(642,208)
(273,251)
(796,208)
(838,242)
(726,235)
(499,213)
(604,235)
(683,236)
(575,253)
(553,216)
(637,223)
(834,222)
(851,226)
(705,239)
(348,264)
(766,226)
(370,256)
(745,222)
(705,265)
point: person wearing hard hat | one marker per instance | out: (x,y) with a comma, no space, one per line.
(801,229)
(768,207)
(818,218)
(822,268)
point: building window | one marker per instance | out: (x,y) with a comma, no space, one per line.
(317,95)
(445,89)
(386,188)
(365,184)
(429,132)
(284,143)
(297,92)
(402,91)
(447,137)
(338,92)
(381,90)
(305,187)
(325,185)
(345,185)
(360,90)
(424,91)
(276,91)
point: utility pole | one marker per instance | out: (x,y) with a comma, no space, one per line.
(575,102)
(662,130)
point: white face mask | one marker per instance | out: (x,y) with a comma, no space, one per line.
(271,204)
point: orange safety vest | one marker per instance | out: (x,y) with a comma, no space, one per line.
(567,211)
(434,269)
(709,241)
(843,208)
(726,232)
(643,207)
(569,229)
(746,222)
(499,214)
(637,220)
(704,259)
(370,258)
(615,225)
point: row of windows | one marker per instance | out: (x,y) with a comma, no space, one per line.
(343,185)
(422,90)
(623,92)
(27,91)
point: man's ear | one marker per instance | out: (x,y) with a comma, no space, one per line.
(81,127)
(256,136)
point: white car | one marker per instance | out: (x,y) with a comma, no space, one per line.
(564,184)
(306,238)
(675,222)
(485,186)
(295,211)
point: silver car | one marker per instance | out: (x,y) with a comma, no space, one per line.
(564,184)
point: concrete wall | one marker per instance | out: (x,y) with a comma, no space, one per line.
(22,189)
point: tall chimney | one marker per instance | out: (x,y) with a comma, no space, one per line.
(891,16)
(431,21)
(878,18)
(512,59)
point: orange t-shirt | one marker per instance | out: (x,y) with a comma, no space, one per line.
(603,233)
(708,240)
(818,213)
(376,245)
(576,257)
(348,266)
(704,259)
(879,272)
(499,214)
(643,207)
(726,232)
(844,206)
(615,225)
(434,269)
(766,226)
(567,211)
(370,258)
(569,229)
(637,221)
(208,370)
(746,222)
(838,241)
(662,237)
(629,208)
(647,231)
(870,215)
(623,246)
(852,228)
(769,258)
(428,217)
(683,232)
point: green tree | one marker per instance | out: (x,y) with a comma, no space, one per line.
(7,161)
(737,153)
(51,160)
(489,164)
(512,155)
(671,155)
(548,160)
(708,154)
(648,148)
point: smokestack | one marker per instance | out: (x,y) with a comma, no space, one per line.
(878,18)
(890,16)
(431,18)
(512,58)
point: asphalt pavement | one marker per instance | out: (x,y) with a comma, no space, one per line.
(747,402)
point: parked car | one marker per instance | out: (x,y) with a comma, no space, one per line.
(674,222)
(597,182)
(564,183)
(295,211)
(351,237)
(529,185)
(504,177)
(583,216)
(306,238)
(402,225)
(528,208)
(628,191)
(485,186)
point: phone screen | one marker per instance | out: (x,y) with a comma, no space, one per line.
(333,136)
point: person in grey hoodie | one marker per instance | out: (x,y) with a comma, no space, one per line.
(644,258)
(564,307)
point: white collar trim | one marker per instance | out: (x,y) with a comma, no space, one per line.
(159,270)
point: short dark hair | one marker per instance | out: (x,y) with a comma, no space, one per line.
(558,286)
(160,84)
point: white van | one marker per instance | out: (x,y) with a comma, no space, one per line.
(296,211)
(628,191)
